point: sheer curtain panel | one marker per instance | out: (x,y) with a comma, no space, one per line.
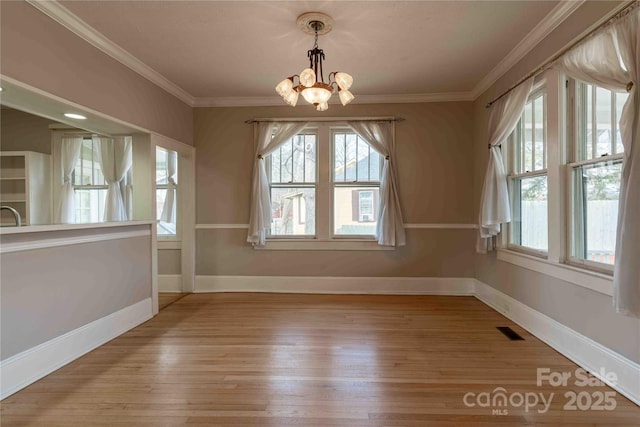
(494,203)
(70,152)
(611,59)
(169,208)
(390,229)
(269,136)
(114,156)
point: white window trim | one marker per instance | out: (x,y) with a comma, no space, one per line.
(337,244)
(557,263)
(324,198)
(167,237)
(541,87)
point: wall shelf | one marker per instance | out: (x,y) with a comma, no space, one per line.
(25,185)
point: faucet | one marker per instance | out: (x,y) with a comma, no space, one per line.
(15,213)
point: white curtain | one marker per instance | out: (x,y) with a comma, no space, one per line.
(494,203)
(169,207)
(390,229)
(611,60)
(114,156)
(270,135)
(70,152)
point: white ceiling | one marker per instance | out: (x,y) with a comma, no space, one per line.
(224,49)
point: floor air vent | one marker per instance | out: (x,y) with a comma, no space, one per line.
(510,333)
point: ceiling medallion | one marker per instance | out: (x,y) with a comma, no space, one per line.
(311,82)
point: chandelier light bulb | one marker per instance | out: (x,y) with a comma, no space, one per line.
(317,94)
(291,98)
(344,80)
(307,77)
(345,96)
(323,106)
(284,87)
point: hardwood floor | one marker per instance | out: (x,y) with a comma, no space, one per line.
(310,360)
(165,299)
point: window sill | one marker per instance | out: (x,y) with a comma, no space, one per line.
(323,245)
(598,282)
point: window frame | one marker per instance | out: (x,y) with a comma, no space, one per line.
(324,238)
(88,187)
(348,184)
(539,90)
(560,133)
(177,201)
(309,130)
(575,92)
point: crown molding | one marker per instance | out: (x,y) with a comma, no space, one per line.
(549,23)
(261,101)
(73,23)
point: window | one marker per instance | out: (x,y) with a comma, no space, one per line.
(356,184)
(166,182)
(595,168)
(528,178)
(89,185)
(324,185)
(292,174)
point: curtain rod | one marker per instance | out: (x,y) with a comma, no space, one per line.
(326,119)
(624,10)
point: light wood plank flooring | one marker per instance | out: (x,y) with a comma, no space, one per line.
(165,299)
(308,360)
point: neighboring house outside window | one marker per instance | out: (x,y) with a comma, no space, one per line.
(291,169)
(356,184)
(301,190)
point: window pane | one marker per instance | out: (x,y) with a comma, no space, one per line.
(603,120)
(354,159)
(350,172)
(298,158)
(588,126)
(621,99)
(310,158)
(274,162)
(363,155)
(286,161)
(602,137)
(339,156)
(529,225)
(90,205)
(539,133)
(527,138)
(355,210)
(596,192)
(161,166)
(293,211)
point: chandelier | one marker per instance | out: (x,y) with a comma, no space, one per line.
(311,82)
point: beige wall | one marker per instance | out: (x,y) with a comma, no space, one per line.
(21,131)
(40,52)
(587,312)
(436,180)
(169,261)
(48,292)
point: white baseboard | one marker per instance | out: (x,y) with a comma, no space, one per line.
(170,283)
(582,350)
(337,285)
(29,366)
